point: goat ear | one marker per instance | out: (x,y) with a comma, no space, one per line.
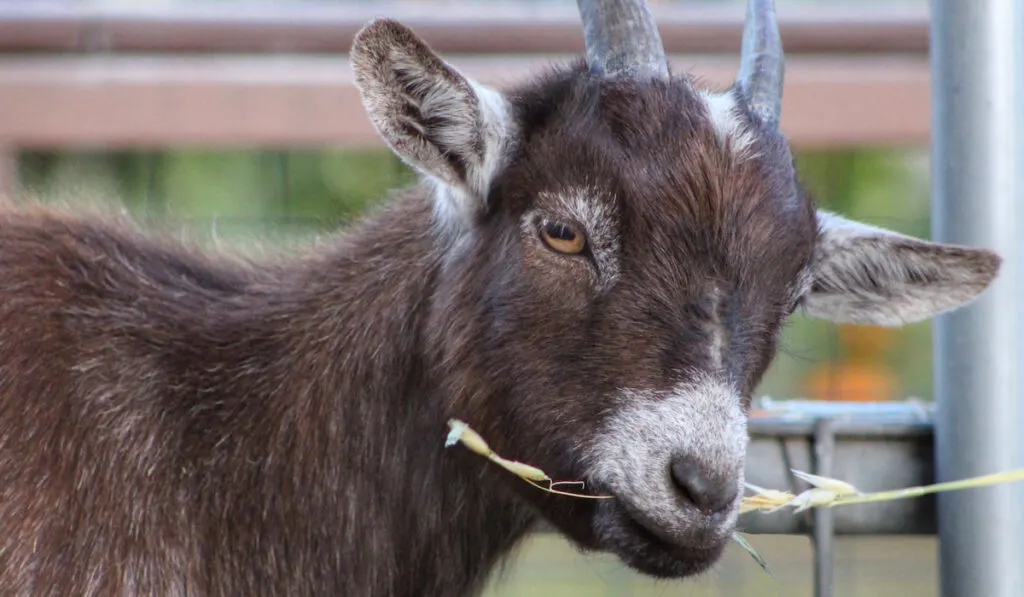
(867,275)
(438,121)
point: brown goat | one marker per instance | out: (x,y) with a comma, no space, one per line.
(593,274)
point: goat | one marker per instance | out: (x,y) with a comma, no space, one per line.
(593,273)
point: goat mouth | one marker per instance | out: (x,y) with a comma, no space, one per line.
(647,550)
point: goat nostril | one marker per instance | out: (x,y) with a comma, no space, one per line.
(710,495)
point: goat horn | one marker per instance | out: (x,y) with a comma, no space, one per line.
(762,65)
(622,40)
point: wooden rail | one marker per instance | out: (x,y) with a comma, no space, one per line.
(307,101)
(844,26)
(126,74)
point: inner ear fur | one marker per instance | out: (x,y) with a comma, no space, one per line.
(867,275)
(438,121)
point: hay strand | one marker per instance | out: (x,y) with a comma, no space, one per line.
(461,432)
(825,492)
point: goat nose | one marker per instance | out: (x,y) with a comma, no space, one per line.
(709,494)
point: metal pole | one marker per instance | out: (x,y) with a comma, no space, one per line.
(823,532)
(977,57)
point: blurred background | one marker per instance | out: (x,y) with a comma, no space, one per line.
(237,121)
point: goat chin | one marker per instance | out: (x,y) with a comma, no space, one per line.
(690,545)
(652,549)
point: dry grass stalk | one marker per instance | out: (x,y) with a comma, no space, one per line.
(825,492)
(460,432)
(828,493)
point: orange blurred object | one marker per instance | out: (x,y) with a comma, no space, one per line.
(852,383)
(863,344)
(862,375)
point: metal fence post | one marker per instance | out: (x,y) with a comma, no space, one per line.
(823,530)
(977,63)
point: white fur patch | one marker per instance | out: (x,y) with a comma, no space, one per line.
(701,420)
(836,227)
(455,203)
(803,284)
(497,130)
(729,128)
(717,331)
(449,206)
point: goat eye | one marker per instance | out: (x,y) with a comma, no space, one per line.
(562,237)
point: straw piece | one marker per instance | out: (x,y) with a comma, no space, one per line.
(825,492)
(829,493)
(753,553)
(461,432)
